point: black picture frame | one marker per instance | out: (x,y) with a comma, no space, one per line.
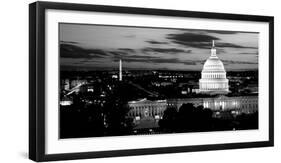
(37,80)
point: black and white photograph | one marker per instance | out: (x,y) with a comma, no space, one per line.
(113,81)
(130,80)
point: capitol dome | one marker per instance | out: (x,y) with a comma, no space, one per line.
(213,76)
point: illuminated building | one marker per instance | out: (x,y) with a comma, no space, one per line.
(146,112)
(66,84)
(65,101)
(242,104)
(77,82)
(144,109)
(213,76)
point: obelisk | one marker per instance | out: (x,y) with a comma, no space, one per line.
(120,70)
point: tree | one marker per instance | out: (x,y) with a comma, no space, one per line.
(116,110)
(247,121)
(187,119)
(168,122)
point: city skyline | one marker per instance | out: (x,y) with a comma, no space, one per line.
(100,47)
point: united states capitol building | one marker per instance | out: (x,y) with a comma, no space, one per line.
(214,87)
(213,77)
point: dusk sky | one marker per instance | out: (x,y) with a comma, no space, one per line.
(99,47)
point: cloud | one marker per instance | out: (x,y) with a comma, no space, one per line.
(202,41)
(173,61)
(229,45)
(213,31)
(165,50)
(226,62)
(192,40)
(223,32)
(127,50)
(84,55)
(134,58)
(249,53)
(118,53)
(191,37)
(121,52)
(227,32)
(154,60)
(216,31)
(90,61)
(73,51)
(157,42)
(69,42)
